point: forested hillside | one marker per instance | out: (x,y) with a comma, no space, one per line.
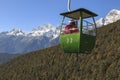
(103,63)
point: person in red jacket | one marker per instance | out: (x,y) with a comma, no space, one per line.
(71,28)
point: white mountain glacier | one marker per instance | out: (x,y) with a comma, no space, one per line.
(111,17)
(17,41)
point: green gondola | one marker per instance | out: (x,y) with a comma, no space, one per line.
(84,40)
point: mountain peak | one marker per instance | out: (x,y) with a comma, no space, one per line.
(111,17)
(44,30)
(114,12)
(16,31)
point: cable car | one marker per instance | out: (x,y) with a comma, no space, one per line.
(84,40)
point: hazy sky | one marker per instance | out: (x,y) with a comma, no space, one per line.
(28,14)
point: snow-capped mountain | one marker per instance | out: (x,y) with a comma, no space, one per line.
(15,32)
(17,41)
(46,30)
(111,17)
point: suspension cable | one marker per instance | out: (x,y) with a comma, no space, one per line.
(69,1)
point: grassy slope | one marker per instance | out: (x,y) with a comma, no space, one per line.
(52,63)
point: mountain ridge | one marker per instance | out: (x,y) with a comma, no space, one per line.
(17,41)
(4,57)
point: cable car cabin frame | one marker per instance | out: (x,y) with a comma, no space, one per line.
(78,42)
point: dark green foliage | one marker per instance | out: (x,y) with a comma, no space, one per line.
(53,64)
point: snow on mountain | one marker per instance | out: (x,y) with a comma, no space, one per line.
(111,17)
(46,30)
(100,22)
(17,41)
(16,32)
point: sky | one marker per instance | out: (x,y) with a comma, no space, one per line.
(29,14)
